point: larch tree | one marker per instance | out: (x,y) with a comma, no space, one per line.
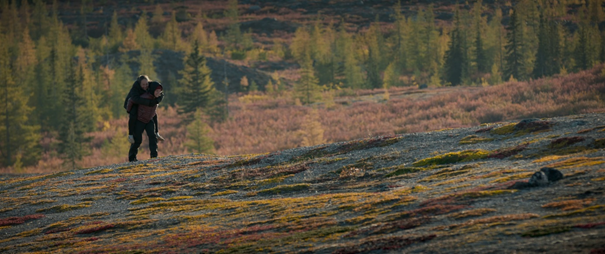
(200,34)
(197,136)
(158,15)
(19,140)
(116,35)
(146,67)
(141,30)
(40,20)
(130,42)
(26,62)
(195,84)
(171,38)
(311,130)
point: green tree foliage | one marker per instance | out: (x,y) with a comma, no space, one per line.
(481,60)
(196,85)
(548,55)
(171,38)
(307,89)
(74,123)
(375,58)
(311,130)
(141,31)
(457,62)
(233,35)
(158,15)
(18,137)
(350,69)
(197,136)
(145,60)
(116,36)
(515,64)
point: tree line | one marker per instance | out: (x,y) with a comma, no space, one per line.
(57,86)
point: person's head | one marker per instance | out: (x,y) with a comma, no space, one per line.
(143,81)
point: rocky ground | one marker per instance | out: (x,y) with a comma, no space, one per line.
(449,191)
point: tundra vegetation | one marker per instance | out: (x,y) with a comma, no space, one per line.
(249,79)
(417,192)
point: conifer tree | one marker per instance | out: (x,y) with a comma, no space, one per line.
(306,89)
(351,67)
(401,33)
(375,60)
(300,45)
(115,33)
(146,67)
(457,63)
(120,85)
(197,136)
(40,20)
(311,130)
(158,15)
(18,137)
(141,30)
(171,38)
(201,36)
(233,35)
(130,42)
(26,62)
(548,58)
(515,64)
(481,60)
(196,84)
(73,124)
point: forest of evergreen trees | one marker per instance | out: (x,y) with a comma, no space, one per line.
(56,89)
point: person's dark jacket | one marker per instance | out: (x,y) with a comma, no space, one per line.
(146,113)
(135,94)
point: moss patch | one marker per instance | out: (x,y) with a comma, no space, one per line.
(453,157)
(223,193)
(474,139)
(546,231)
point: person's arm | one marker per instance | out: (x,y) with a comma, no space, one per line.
(142,101)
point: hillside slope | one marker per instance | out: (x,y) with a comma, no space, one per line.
(450,191)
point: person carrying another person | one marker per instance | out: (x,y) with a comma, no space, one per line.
(139,88)
(143,115)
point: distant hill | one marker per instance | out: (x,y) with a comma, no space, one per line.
(449,191)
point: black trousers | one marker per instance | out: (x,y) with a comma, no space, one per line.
(132,120)
(138,139)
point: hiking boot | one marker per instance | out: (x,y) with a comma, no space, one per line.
(131,139)
(160,138)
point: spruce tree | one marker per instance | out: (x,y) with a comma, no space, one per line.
(481,60)
(375,60)
(196,85)
(456,60)
(515,64)
(18,137)
(306,88)
(233,35)
(73,124)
